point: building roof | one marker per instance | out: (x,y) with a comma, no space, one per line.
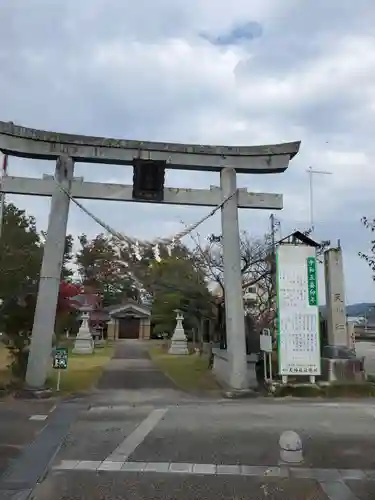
(130,306)
(298,235)
(99,315)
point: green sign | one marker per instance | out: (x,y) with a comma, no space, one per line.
(60,358)
(312,282)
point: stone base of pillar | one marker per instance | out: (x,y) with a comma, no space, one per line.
(178,347)
(240,393)
(83,344)
(100,343)
(222,371)
(31,393)
(343,370)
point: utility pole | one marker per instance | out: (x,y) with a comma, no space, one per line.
(272,293)
(366,317)
(274,224)
(4,168)
(273,229)
(311,173)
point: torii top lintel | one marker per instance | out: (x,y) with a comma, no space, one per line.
(39,144)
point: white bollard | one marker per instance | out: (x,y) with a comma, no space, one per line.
(290,448)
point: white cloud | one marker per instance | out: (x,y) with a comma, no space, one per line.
(104,68)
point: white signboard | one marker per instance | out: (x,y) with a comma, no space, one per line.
(265,342)
(298,312)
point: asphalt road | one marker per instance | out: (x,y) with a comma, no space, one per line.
(20,423)
(155,443)
(215,450)
(132,486)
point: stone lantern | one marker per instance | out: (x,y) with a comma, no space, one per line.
(84,343)
(179,340)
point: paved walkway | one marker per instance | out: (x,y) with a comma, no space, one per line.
(131,368)
(132,378)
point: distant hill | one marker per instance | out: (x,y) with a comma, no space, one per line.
(353,310)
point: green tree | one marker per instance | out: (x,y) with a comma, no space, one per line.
(20,260)
(67,271)
(21,252)
(369,257)
(176,282)
(102,270)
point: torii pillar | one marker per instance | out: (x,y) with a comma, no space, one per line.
(50,276)
(234,306)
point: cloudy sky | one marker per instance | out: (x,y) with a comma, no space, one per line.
(205,71)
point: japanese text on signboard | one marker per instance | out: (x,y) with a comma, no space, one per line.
(298,312)
(312,281)
(60,358)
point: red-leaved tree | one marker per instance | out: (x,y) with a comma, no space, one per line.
(66,293)
(66,310)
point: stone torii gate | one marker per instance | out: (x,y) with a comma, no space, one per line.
(67,149)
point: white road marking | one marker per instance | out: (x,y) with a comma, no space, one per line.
(352,474)
(101,409)
(131,442)
(134,466)
(181,468)
(118,408)
(152,467)
(204,469)
(326,476)
(88,465)
(110,466)
(337,491)
(234,470)
(69,464)
(38,417)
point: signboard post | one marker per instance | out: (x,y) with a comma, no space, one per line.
(266,346)
(60,362)
(298,311)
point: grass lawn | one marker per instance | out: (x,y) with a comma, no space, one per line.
(190,373)
(83,370)
(4,361)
